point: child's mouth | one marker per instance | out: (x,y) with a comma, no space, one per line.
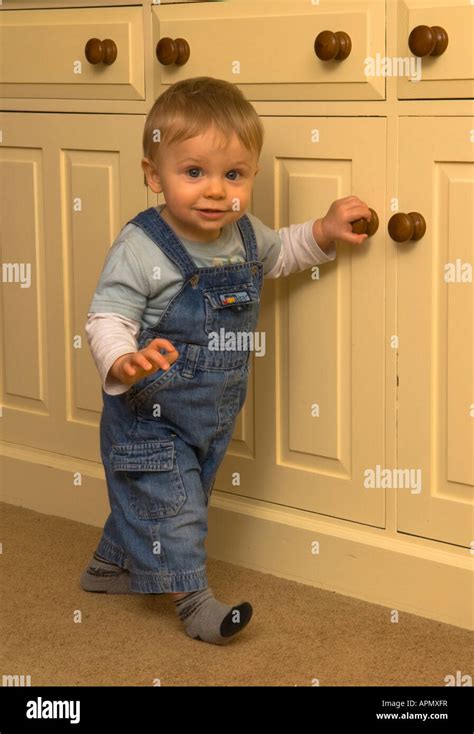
(211,213)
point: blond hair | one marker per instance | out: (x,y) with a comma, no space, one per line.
(192,106)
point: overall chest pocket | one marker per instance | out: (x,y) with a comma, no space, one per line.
(233,308)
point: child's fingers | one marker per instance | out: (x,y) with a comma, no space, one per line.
(128,369)
(161,360)
(140,360)
(160,343)
(358,212)
(149,358)
(171,357)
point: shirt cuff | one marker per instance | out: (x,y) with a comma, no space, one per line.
(111,385)
(323,255)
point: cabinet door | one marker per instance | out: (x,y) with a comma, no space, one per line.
(314,418)
(267,47)
(69,183)
(436,329)
(450,74)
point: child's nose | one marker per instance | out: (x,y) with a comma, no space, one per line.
(215,186)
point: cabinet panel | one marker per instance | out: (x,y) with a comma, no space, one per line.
(69,182)
(436,330)
(450,74)
(43,53)
(24,299)
(324,338)
(267,47)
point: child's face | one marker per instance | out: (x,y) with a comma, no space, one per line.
(203,173)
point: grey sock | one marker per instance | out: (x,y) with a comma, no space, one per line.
(105,577)
(209,620)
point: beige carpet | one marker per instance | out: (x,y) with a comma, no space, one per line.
(298,633)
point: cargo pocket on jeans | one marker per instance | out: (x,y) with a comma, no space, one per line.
(153,477)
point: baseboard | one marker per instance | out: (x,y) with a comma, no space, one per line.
(402,573)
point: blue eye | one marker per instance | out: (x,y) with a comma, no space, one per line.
(189,172)
(233,172)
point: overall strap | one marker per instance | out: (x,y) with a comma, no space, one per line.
(163,236)
(248,236)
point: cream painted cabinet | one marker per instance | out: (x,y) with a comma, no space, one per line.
(265,45)
(319,387)
(441,49)
(56,60)
(68,184)
(368,366)
(317,393)
(435,298)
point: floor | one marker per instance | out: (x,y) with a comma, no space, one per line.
(299,635)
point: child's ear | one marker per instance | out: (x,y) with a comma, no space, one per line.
(152,176)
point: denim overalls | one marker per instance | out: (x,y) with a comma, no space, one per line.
(163,440)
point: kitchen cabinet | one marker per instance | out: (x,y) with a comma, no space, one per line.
(438,35)
(67,181)
(275,50)
(84,53)
(320,385)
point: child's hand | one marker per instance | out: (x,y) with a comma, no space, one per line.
(336,224)
(130,368)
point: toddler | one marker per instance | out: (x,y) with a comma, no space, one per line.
(177,275)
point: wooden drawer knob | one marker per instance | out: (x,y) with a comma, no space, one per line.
(98,51)
(169,51)
(329,45)
(426,41)
(362,226)
(404,227)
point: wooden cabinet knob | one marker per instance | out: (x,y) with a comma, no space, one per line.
(426,41)
(404,227)
(169,51)
(362,226)
(98,51)
(329,45)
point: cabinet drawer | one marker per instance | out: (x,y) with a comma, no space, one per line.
(267,47)
(43,53)
(450,74)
